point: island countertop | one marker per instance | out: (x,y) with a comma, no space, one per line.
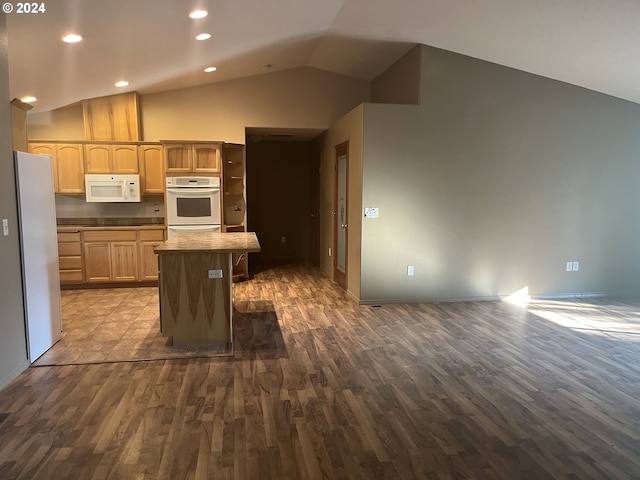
(211,242)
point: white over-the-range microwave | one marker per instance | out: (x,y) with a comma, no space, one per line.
(112,188)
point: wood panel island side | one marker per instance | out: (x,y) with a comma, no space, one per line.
(196,285)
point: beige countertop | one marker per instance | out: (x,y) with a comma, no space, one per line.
(110,222)
(211,242)
(75,228)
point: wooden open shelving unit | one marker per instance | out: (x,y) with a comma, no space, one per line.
(234,202)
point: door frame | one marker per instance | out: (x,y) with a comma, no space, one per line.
(338,276)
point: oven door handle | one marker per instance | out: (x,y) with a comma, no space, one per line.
(188,191)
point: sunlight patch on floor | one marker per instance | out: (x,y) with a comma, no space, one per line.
(583,316)
(519,297)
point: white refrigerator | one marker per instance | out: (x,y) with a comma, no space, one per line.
(39,252)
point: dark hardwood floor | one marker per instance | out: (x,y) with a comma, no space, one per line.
(320,387)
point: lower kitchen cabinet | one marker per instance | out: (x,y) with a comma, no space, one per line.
(124,261)
(149,240)
(111,255)
(70,257)
(121,255)
(97,261)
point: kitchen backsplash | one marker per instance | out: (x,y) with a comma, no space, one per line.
(68,206)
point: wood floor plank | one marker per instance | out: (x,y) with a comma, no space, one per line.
(317,386)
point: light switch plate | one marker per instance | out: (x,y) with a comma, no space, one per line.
(5,227)
(371,212)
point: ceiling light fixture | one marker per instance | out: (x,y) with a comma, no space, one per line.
(198,14)
(210,69)
(122,83)
(72,38)
(28,99)
(203,36)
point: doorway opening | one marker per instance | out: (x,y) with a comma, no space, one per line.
(283,195)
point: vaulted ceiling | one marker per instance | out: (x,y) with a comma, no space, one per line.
(150,43)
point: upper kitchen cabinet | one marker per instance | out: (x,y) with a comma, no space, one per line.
(177,158)
(189,158)
(112,118)
(70,168)
(206,157)
(68,165)
(119,158)
(19,111)
(151,158)
(47,149)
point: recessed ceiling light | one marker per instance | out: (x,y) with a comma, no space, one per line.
(203,36)
(28,99)
(198,14)
(210,69)
(122,83)
(72,38)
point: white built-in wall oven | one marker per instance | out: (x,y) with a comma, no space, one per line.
(193,205)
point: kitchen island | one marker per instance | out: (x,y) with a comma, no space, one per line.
(196,285)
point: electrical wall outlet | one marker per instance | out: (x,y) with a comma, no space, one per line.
(283,239)
(573,266)
(215,274)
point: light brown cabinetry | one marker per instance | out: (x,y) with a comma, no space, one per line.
(68,165)
(151,165)
(72,160)
(70,257)
(70,168)
(124,261)
(97,261)
(47,149)
(185,158)
(110,256)
(235,211)
(149,240)
(19,136)
(112,118)
(103,158)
